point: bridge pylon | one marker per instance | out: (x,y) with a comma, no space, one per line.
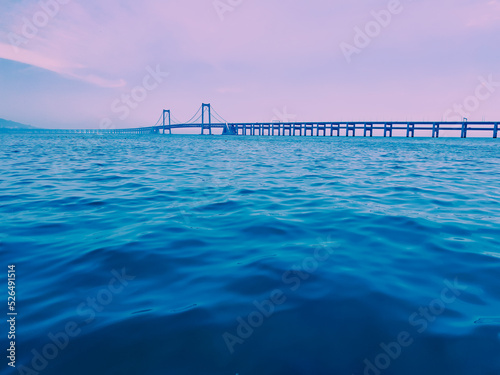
(165,112)
(206,108)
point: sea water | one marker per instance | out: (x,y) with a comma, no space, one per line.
(151,254)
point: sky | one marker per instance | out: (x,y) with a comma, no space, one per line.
(119,63)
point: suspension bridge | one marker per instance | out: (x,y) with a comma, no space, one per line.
(207,118)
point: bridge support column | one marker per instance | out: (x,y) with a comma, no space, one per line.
(495,130)
(206,107)
(368,128)
(435,130)
(300,129)
(387,129)
(310,128)
(350,127)
(289,128)
(165,113)
(410,129)
(335,127)
(464,130)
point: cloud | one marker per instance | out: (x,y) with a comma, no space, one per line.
(64,68)
(265,54)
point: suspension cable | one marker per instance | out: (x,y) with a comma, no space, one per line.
(213,109)
(157,122)
(176,120)
(196,114)
(219,119)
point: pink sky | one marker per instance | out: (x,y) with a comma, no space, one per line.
(258,59)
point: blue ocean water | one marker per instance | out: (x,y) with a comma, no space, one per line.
(251,255)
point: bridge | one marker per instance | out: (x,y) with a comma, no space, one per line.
(366,129)
(207,118)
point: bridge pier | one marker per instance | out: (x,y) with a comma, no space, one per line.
(204,108)
(274,126)
(435,130)
(165,112)
(495,130)
(464,130)
(321,127)
(310,128)
(368,128)
(410,129)
(295,126)
(266,127)
(350,127)
(287,127)
(387,129)
(335,127)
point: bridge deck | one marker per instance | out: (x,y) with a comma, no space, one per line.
(303,128)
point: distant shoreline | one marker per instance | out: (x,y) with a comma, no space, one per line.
(12,125)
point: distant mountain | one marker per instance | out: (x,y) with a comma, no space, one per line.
(6,124)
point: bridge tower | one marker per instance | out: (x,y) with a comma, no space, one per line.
(165,112)
(206,108)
